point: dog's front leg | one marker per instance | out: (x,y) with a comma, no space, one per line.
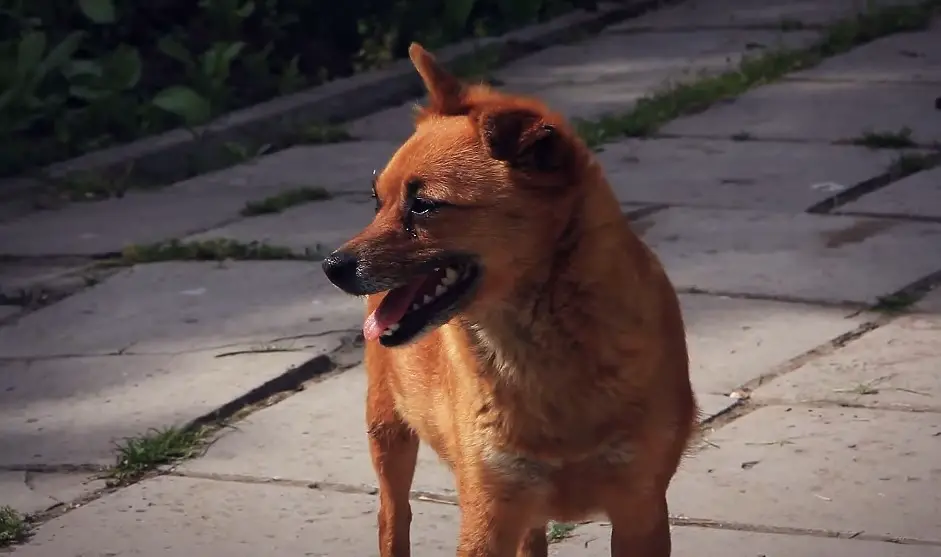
(394,450)
(495,521)
(640,528)
(534,544)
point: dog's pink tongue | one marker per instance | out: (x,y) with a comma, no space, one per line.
(391,310)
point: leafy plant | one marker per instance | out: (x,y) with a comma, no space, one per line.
(208,73)
(26,64)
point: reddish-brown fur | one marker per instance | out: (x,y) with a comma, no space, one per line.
(562,390)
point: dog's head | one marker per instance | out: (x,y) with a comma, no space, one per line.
(474,202)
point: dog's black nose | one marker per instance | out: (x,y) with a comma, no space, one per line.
(340,268)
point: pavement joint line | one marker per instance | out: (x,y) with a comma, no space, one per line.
(746,405)
(836,304)
(333,487)
(765,529)
(263,396)
(451,500)
(783,27)
(792,140)
(928,161)
(644,212)
(823,79)
(827,403)
(36,468)
(888,216)
(240,347)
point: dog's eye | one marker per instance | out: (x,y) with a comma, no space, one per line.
(422,206)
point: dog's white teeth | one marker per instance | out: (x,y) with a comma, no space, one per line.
(393,327)
(450,276)
(415,306)
(427,299)
(440,289)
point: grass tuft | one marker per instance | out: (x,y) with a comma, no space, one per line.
(213,250)
(895,303)
(651,112)
(283,200)
(886,140)
(136,456)
(320,134)
(13,527)
(907,164)
(558,531)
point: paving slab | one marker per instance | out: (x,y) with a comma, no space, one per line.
(838,469)
(32,492)
(767,175)
(175,307)
(610,72)
(604,74)
(319,435)
(321,226)
(192,206)
(7,312)
(794,256)
(338,167)
(183,516)
(820,111)
(594,540)
(395,123)
(732,341)
(894,366)
(905,57)
(71,411)
(180,516)
(918,195)
(744,13)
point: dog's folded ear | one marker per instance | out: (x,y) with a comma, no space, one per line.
(522,138)
(445,92)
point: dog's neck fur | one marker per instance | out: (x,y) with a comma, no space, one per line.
(551,310)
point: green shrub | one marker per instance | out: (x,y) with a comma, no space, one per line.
(77,75)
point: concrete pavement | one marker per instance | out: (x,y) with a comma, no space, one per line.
(798,246)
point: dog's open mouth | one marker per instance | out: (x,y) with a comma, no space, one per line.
(425,301)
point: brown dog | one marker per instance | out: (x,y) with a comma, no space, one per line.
(518,326)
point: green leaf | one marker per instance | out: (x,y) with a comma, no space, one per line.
(246,10)
(218,60)
(98,11)
(87,93)
(61,53)
(230,53)
(184,102)
(29,53)
(122,69)
(77,68)
(169,45)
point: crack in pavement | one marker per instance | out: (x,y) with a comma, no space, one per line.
(126,351)
(267,394)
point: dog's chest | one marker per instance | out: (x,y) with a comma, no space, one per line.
(532,469)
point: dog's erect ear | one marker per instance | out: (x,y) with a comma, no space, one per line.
(523,139)
(444,90)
